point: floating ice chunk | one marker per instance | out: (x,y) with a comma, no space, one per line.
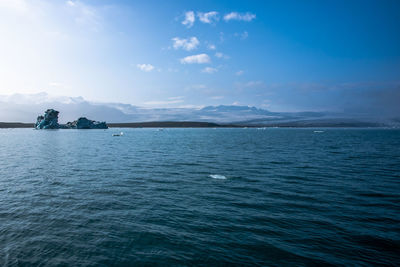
(118,134)
(217,176)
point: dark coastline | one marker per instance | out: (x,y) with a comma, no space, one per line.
(169,124)
(161,124)
(193,124)
(16,125)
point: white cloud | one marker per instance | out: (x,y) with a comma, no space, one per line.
(191,106)
(189,19)
(239,16)
(163,102)
(145,67)
(70,3)
(208,17)
(240,72)
(211,47)
(209,70)
(199,59)
(221,55)
(187,44)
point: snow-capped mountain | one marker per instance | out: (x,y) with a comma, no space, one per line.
(26,107)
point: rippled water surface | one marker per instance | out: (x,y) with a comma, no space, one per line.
(199,196)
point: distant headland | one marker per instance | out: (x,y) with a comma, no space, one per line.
(50,121)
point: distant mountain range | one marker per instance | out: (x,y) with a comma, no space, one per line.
(26,107)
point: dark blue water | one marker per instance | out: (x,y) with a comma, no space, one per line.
(199,197)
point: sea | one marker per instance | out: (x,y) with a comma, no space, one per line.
(203,197)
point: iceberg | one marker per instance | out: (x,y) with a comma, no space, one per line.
(50,121)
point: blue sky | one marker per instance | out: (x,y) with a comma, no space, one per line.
(277,55)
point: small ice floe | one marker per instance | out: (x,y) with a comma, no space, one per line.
(118,134)
(319,131)
(217,176)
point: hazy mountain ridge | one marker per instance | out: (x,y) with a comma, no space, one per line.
(26,107)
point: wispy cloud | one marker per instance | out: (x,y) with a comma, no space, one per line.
(221,37)
(186,44)
(217,97)
(176,98)
(239,73)
(198,59)
(145,67)
(239,16)
(208,17)
(266,103)
(256,85)
(172,70)
(211,47)
(71,3)
(85,15)
(242,35)
(191,106)
(221,55)
(163,102)
(209,70)
(189,19)
(251,84)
